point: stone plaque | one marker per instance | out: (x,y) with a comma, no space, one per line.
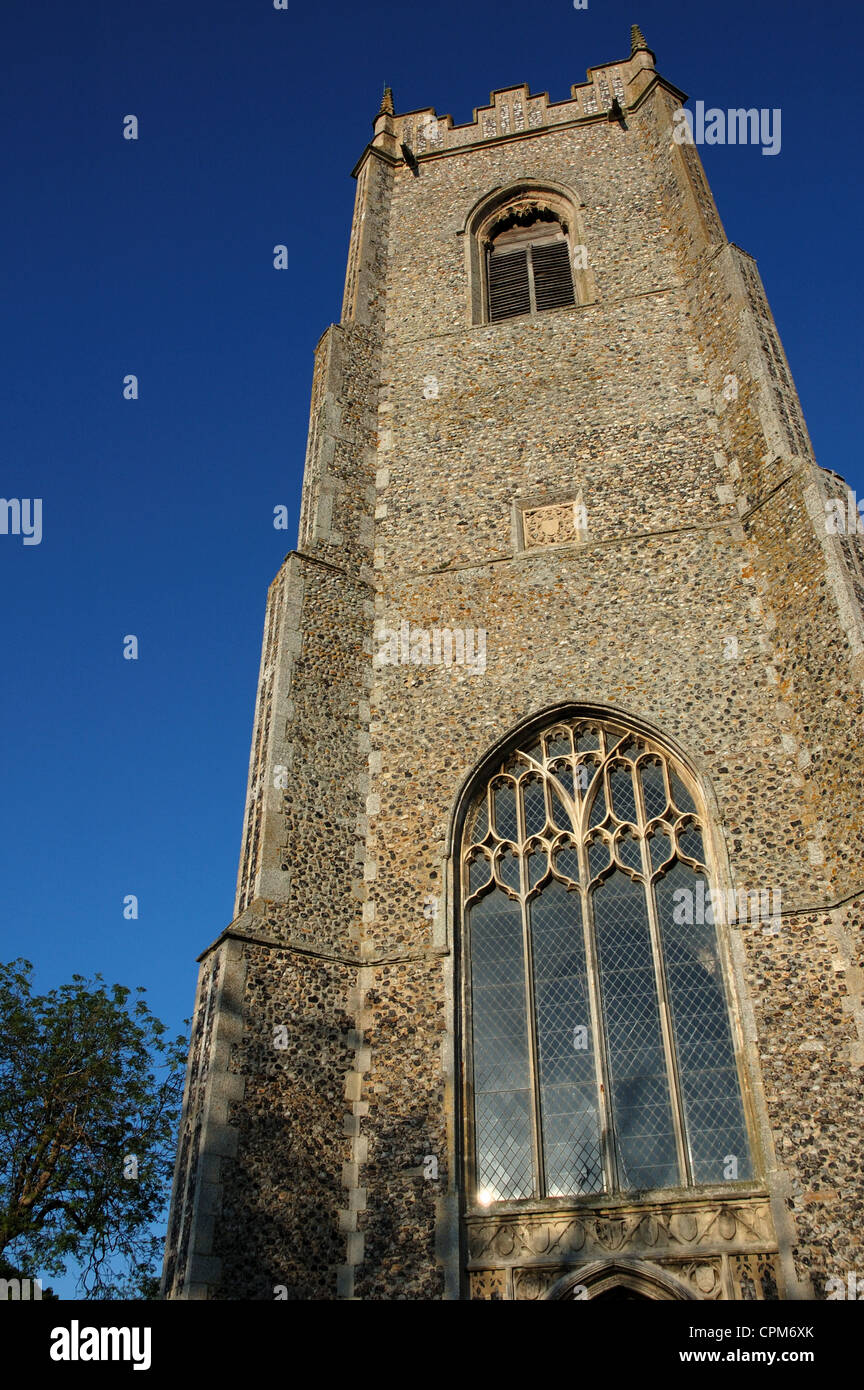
(560,524)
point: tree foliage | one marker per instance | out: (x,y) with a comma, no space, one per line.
(90,1095)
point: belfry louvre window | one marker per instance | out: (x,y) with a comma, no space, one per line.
(600,1048)
(528,269)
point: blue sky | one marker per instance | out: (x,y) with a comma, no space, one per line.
(154,257)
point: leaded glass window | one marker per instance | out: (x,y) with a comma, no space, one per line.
(601,1052)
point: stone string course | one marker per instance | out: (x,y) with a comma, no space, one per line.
(705,598)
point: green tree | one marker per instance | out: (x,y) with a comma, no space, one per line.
(90,1095)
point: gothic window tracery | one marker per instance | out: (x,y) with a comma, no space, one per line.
(601,1056)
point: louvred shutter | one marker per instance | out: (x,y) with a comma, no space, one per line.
(553,278)
(508,285)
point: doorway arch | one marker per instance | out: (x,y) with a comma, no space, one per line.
(619,1279)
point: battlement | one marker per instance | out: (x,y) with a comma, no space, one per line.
(516,110)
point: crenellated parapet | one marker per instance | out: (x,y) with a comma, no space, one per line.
(610,88)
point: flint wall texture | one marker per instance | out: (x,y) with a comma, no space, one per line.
(704,598)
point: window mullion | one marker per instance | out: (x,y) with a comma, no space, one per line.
(529,261)
(660,982)
(530,1004)
(598,1031)
(607,1144)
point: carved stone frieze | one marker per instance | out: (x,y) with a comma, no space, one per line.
(534,1283)
(734,1225)
(755,1276)
(489,1284)
(699,1278)
(704,1276)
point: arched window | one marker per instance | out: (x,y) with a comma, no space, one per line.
(600,1049)
(525,251)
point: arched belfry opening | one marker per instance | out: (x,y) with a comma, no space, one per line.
(526,251)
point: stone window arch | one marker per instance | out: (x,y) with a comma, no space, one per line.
(526,252)
(599,1046)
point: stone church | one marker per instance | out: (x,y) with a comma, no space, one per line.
(545,977)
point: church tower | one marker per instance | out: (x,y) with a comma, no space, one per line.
(545,975)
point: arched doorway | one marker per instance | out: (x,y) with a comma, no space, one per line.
(619,1280)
